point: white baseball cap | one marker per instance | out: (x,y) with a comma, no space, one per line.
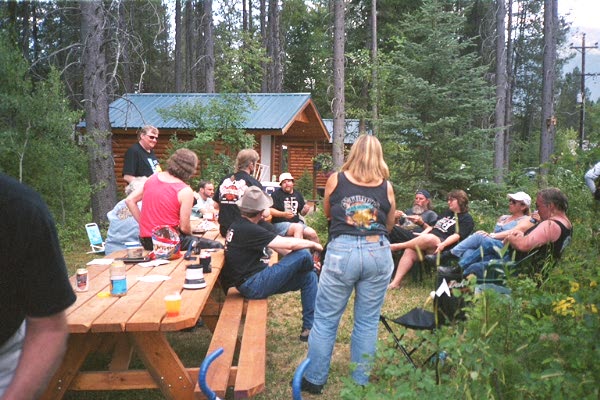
(520,196)
(285,176)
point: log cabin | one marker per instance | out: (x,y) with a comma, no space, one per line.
(288,128)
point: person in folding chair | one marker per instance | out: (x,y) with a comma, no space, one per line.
(549,237)
(122,227)
(454,225)
(591,177)
(480,245)
(412,221)
(359,203)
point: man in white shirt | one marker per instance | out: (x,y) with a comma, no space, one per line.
(590,180)
(204,199)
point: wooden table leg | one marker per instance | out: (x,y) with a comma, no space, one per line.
(78,348)
(122,353)
(210,313)
(163,364)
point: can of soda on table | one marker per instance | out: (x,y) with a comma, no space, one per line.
(81,280)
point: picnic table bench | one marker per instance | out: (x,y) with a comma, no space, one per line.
(241,330)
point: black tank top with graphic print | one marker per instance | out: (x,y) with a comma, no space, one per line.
(358,210)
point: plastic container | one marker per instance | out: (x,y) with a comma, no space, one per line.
(118,279)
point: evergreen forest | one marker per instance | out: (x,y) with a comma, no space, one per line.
(468,94)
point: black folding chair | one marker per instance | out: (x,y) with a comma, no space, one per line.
(416,319)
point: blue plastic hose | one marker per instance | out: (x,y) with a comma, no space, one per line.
(202,374)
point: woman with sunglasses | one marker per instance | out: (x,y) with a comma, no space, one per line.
(548,238)
(140,159)
(480,245)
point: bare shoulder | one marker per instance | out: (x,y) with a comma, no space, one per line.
(565,221)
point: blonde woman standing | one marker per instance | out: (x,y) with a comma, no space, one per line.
(359,203)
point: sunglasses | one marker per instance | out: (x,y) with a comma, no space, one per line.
(511,201)
(152,137)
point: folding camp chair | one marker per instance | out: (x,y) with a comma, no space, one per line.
(95,237)
(415,319)
(446,310)
(261,172)
(497,270)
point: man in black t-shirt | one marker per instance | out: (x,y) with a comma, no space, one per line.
(140,159)
(288,205)
(246,264)
(34,292)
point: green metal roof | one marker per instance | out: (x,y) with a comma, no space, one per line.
(264,110)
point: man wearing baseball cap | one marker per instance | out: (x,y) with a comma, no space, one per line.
(411,221)
(288,205)
(245,245)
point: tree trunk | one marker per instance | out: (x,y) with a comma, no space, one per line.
(25,29)
(549,70)
(263,34)
(34,34)
(338,105)
(250,16)
(124,46)
(244,16)
(99,137)
(499,124)
(374,96)
(209,48)
(190,40)
(510,78)
(178,60)
(275,81)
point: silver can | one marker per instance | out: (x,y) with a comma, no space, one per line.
(81,280)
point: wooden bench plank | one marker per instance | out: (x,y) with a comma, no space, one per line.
(226,336)
(250,379)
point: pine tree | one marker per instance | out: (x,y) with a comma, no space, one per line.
(434,101)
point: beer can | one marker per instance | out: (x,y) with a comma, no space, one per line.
(81,279)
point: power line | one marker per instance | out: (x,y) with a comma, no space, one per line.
(582,49)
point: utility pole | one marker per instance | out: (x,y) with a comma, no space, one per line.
(583,75)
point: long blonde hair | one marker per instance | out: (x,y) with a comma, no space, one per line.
(365,161)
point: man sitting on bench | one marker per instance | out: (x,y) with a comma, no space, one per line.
(246,258)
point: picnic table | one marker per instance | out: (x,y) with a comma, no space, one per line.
(137,322)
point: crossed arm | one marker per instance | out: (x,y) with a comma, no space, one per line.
(548,231)
(286,244)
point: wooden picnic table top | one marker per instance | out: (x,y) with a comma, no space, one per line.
(143,307)
(135,321)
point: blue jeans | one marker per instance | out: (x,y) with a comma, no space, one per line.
(294,272)
(351,263)
(472,248)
